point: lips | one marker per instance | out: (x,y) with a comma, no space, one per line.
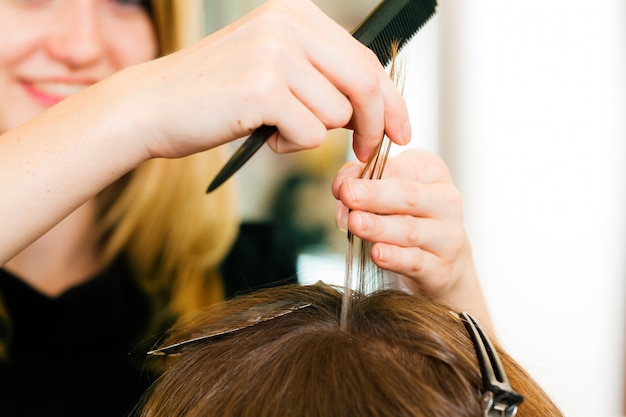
(49,93)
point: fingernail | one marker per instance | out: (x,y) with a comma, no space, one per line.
(357,190)
(341,217)
(379,254)
(407,132)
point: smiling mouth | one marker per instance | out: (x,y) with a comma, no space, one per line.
(51,92)
(58,89)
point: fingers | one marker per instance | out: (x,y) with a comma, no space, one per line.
(378,106)
(402,211)
(413,164)
(400,230)
(401,196)
(418,165)
(425,271)
(419,270)
(268,79)
(414,216)
(286,64)
(435,236)
(313,104)
(352,70)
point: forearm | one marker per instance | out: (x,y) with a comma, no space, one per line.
(58,160)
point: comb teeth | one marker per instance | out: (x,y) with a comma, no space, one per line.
(393,21)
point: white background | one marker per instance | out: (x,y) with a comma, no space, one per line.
(532,123)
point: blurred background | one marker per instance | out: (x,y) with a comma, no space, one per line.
(526,102)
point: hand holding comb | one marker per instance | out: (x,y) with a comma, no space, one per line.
(391,21)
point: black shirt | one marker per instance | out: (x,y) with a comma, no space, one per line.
(80,354)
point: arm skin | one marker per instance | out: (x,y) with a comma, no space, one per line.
(414,216)
(285,64)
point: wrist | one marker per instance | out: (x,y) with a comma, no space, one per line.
(466,293)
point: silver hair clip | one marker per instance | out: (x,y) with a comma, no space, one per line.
(499,399)
(251,317)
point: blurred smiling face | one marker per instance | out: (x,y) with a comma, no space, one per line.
(50,49)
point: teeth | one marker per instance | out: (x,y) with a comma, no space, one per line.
(59,89)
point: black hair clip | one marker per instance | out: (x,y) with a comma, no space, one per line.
(499,399)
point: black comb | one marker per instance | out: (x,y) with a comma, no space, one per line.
(391,21)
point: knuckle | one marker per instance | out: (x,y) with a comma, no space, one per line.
(432,168)
(426,280)
(453,199)
(369,84)
(416,267)
(272,47)
(436,162)
(342,115)
(413,236)
(370,58)
(411,200)
(457,243)
(260,82)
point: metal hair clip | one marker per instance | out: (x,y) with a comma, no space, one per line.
(251,317)
(498,397)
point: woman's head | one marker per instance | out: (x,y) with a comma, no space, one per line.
(51,49)
(400,355)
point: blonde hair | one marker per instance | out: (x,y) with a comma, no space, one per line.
(178,23)
(173,233)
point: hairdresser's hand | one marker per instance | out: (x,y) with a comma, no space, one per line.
(414,216)
(286,64)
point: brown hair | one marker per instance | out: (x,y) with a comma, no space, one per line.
(400,355)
